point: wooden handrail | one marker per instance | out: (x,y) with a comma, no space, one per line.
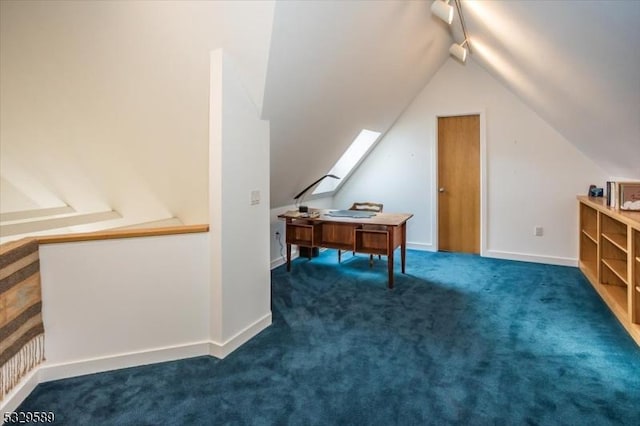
(122,233)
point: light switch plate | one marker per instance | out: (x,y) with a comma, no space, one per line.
(255,197)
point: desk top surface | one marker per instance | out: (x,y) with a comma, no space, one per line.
(389,219)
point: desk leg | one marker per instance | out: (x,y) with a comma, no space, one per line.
(403,247)
(288,257)
(390,256)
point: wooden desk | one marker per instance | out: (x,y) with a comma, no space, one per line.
(347,233)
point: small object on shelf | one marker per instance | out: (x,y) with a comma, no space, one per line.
(595,192)
(629,195)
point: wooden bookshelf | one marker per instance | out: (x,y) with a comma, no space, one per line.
(635,277)
(610,258)
(589,241)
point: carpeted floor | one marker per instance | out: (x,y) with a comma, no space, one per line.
(461,340)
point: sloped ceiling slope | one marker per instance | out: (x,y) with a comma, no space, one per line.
(336,68)
(576,63)
(104,105)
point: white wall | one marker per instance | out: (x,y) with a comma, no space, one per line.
(105,104)
(116,303)
(533,174)
(238,166)
(13,198)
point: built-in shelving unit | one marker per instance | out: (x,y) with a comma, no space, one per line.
(610,258)
(589,241)
(635,274)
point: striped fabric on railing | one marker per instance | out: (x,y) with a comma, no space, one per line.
(21,327)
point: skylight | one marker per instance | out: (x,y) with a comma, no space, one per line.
(349,160)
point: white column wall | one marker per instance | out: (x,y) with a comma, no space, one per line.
(238,166)
(533,173)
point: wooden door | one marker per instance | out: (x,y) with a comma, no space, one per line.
(459,184)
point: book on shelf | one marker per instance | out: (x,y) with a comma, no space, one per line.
(614,195)
(623,195)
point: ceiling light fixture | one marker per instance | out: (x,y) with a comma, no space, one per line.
(443,10)
(459,51)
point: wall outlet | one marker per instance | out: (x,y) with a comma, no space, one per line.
(538,231)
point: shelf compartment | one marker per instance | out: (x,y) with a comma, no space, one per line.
(614,272)
(618,297)
(615,264)
(614,230)
(618,240)
(635,280)
(303,233)
(589,270)
(371,241)
(586,234)
(589,254)
(589,221)
(609,250)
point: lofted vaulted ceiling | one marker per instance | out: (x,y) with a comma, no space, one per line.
(334,68)
(337,67)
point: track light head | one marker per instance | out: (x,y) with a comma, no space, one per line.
(459,51)
(443,10)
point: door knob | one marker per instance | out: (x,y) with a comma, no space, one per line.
(441,189)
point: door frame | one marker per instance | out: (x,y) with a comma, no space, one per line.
(483,176)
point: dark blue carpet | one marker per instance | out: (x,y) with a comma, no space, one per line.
(461,340)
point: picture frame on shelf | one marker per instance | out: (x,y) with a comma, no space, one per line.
(629,193)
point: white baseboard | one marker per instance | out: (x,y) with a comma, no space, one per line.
(47,372)
(282,260)
(222,350)
(19,393)
(549,260)
(421,246)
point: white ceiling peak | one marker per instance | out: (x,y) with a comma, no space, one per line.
(338,67)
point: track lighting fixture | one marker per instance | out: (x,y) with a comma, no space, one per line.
(443,10)
(459,51)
